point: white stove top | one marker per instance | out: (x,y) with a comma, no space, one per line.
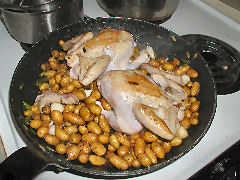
(191,17)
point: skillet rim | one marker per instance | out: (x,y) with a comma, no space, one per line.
(63,163)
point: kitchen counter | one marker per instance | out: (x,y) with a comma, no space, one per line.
(191,17)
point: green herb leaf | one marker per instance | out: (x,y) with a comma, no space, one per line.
(188,54)
(42,74)
(21,86)
(41,80)
(26,105)
(184,61)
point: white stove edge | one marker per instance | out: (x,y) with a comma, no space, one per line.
(210,146)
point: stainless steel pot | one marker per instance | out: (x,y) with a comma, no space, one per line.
(32,21)
(150,10)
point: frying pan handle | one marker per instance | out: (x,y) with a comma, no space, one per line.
(23,164)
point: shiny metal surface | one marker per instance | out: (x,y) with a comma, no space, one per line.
(30,27)
(150,10)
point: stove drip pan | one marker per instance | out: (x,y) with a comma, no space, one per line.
(223,61)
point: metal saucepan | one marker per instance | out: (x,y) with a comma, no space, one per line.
(149,10)
(31,22)
(32,159)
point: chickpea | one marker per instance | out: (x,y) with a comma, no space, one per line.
(36,116)
(105,104)
(68,89)
(55,53)
(90,99)
(58,77)
(192,99)
(154,63)
(144,159)
(162,60)
(187,90)
(28,113)
(73,118)
(129,158)
(83,158)
(46,118)
(188,113)
(42,131)
(139,146)
(103,138)
(57,117)
(176,63)
(89,137)
(86,149)
(45,66)
(189,84)
(71,129)
(80,94)
(77,84)
(46,109)
(151,155)
(176,141)
(136,163)
(83,129)
(167,146)
(93,85)
(167,66)
(35,109)
(61,42)
(134,136)
(95,108)
(51,139)
(195,88)
(50,73)
(192,73)
(94,127)
(97,160)
(113,141)
(73,152)
(182,70)
(158,149)
(35,124)
(77,108)
(195,106)
(54,65)
(185,123)
(149,136)
(111,148)
(96,94)
(69,108)
(61,148)
(195,114)
(55,88)
(52,81)
(65,80)
(103,123)
(123,139)
(194,121)
(122,150)
(117,161)
(61,134)
(98,148)
(61,56)
(85,113)
(75,138)
(44,86)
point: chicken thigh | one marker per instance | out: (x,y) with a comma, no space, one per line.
(137,101)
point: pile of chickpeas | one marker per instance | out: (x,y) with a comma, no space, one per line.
(82,133)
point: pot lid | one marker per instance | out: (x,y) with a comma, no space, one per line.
(223,61)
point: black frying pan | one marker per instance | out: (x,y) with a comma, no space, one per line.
(32,159)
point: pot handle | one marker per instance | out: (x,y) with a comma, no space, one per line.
(23,164)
